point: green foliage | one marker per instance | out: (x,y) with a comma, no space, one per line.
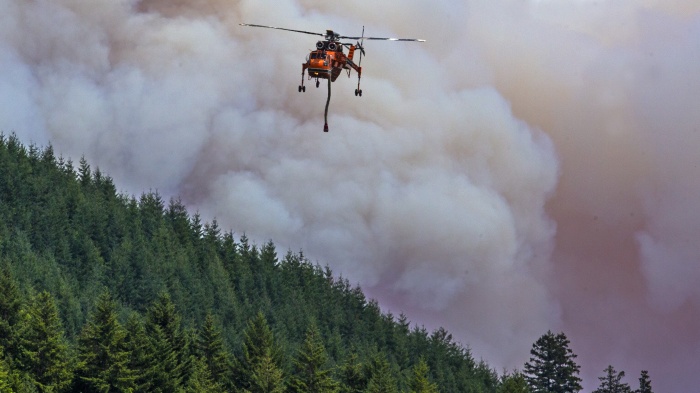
(260,367)
(381,378)
(166,344)
(352,376)
(65,230)
(419,382)
(311,373)
(210,349)
(10,303)
(43,350)
(4,375)
(611,382)
(513,383)
(201,379)
(644,383)
(103,359)
(551,368)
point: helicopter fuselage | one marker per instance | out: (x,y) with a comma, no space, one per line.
(328,60)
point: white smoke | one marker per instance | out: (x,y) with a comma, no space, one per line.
(531,167)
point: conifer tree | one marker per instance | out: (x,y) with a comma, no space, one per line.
(265,377)
(419,382)
(513,383)
(311,374)
(167,345)
(136,343)
(201,379)
(10,304)
(551,368)
(611,382)
(259,369)
(103,360)
(644,383)
(382,380)
(352,375)
(4,375)
(210,348)
(44,352)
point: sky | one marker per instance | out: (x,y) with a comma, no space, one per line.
(533,166)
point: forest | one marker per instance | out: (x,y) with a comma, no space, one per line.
(80,260)
(106,292)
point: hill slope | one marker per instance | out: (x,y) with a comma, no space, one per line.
(68,231)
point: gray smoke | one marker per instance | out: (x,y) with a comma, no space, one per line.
(532,166)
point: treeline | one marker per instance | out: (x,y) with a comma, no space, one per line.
(154,353)
(67,238)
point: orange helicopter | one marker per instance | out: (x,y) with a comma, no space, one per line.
(328,60)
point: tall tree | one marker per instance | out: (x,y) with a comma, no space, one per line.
(167,345)
(611,382)
(644,383)
(103,359)
(4,375)
(352,375)
(265,377)
(382,379)
(210,347)
(44,352)
(137,344)
(513,383)
(201,379)
(259,370)
(10,304)
(311,374)
(419,382)
(552,368)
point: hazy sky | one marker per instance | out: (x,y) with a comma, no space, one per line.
(532,166)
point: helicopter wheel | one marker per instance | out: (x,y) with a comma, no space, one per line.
(360,92)
(356,92)
(299,88)
(317,83)
(303,88)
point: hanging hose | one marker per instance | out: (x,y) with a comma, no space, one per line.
(328,101)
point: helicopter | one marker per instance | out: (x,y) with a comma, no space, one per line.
(328,60)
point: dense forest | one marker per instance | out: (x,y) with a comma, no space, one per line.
(174,304)
(105,292)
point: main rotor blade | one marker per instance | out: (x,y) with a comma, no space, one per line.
(282,28)
(382,38)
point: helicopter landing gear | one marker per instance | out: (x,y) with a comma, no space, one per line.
(302,88)
(358,92)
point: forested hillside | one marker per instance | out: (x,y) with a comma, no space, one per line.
(175,304)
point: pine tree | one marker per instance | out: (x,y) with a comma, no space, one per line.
(210,347)
(311,374)
(513,383)
(382,380)
(352,375)
(644,383)
(44,352)
(419,382)
(612,382)
(551,368)
(167,346)
(4,375)
(201,379)
(103,360)
(10,304)
(136,343)
(259,369)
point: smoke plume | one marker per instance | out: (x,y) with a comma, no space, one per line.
(532,166)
